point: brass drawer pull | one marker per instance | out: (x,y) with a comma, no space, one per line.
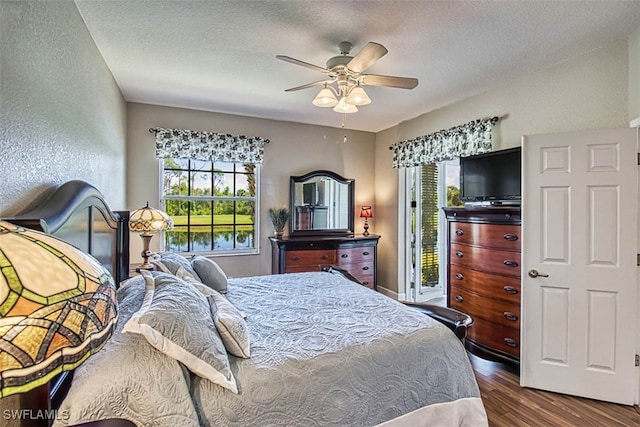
(459,276)
(510,290)
(510,237)
(295,258)
(510,342)
(459,298)
(365,253)
(459,232)
(509,315)
(325,256)
(459,254)
(344,256)
(365,268)
(510,263)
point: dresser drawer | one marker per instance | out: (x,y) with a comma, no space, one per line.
(483,259)
(294,260)
(351,255)
(485,307)
(363,271)
(498,236)
(505,288)
(364,278)
(303,268)
(501,338)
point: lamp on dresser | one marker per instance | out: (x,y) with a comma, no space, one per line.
(57,308)
(366,213)
(147,221)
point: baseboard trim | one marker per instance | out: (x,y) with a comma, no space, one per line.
(391,294)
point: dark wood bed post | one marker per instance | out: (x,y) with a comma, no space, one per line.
(77,213)
(33,401)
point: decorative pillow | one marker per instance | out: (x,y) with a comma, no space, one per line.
(228,319)
(230,324)
(176,319)
(169,262)
(210,273)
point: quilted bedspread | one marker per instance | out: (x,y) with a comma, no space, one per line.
(326,351)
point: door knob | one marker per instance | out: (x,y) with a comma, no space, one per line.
(534,273)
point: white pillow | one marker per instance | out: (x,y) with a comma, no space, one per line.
(176,319)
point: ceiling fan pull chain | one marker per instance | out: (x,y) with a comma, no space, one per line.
(344,116)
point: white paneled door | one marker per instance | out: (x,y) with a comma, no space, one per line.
(580,240)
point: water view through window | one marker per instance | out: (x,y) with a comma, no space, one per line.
(213,205)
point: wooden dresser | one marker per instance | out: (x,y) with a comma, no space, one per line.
(357,255)
(483,277)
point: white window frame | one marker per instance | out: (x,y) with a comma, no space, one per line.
(219,253)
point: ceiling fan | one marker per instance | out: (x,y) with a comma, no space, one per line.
(347,73)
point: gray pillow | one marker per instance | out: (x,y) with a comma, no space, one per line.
(169,262)
(176,319)
(228,319)
(209,273)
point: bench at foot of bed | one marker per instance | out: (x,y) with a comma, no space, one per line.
(455,320)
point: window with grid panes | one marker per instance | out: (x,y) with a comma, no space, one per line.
(213,206)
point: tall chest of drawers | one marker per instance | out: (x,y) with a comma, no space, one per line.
(483,277)
(357,255)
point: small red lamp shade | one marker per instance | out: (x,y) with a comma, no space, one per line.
(366,213)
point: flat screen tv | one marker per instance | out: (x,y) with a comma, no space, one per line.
(309,193)
(491,178)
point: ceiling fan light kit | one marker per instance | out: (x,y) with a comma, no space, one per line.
(325,98)
(344,107)
(346,73)
(357,96)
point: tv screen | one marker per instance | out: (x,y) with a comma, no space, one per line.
(309,193)
(491,178)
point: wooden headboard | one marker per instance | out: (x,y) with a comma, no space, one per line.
(77,213)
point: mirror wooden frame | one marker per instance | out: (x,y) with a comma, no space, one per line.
(293,231)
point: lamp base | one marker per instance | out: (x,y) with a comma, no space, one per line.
(366,228)
(146,253)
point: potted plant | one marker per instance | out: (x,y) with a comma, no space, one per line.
(279,218)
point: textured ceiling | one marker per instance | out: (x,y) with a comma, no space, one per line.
(220,55)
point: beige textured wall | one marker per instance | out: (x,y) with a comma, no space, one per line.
(295,149)
(585,92)
(634,77)
(62,114)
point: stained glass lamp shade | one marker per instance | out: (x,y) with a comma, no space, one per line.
(57,307)
(147,221)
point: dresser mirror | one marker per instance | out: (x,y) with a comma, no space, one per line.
(321,202)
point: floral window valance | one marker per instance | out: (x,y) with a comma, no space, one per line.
(198,145)
(459,141)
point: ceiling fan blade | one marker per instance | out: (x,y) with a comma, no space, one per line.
(308,85)
(389,81)
(366,57)
(302,63)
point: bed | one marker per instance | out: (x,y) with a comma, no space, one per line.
(308,349)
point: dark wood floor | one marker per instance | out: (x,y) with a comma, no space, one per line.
(510,405)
